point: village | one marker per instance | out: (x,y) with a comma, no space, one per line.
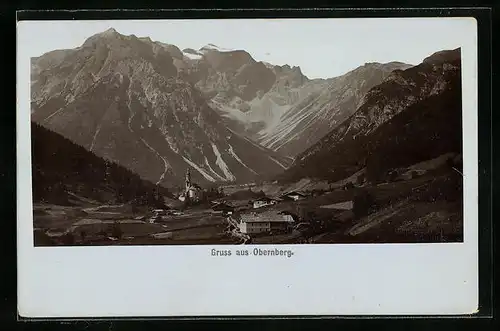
(196,216)
(350,211)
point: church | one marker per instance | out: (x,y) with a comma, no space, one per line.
(192,190)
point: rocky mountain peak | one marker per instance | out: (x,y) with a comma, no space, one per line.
(123,98)
(110,35)
(293,75)
(110,32)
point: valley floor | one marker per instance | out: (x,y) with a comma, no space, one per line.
(424,209)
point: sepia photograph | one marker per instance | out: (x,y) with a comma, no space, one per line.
(247,167)
(146,135)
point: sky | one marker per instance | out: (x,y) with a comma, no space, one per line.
(322,48)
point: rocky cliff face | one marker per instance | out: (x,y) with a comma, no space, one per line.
(126,99)
(326,105)
(278,106)
(251,96)
(417,111)
(158,110)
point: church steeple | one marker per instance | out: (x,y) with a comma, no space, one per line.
(188,179)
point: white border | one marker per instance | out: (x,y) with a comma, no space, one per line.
(185,281)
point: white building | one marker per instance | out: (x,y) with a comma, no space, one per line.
(265,222)
(295,196)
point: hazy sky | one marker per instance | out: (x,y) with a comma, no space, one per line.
(321,47)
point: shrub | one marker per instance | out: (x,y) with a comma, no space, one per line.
(450,161)
(360,180)
(375,170)
(68,239)
(116,231)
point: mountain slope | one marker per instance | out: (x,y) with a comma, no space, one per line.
(64,172)
(123,98)
(277,106)
(324,108)
(413,116)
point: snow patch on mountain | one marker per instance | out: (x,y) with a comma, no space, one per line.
(165,162)
(222,165)
(277,162)
(95,136)
(212,47)
(268,111)
(267,64)
(192,56)
(199,169)
(212,170)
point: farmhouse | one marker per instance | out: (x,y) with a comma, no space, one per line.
(265,222)
(262,202)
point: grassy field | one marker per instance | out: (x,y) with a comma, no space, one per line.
(60,225)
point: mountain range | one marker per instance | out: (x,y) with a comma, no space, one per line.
(158,110)
(123,98)
(411,117)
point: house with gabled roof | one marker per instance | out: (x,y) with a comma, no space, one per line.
(253,223)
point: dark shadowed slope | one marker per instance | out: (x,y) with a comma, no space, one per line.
(413,116)
(65,173)
(324,108)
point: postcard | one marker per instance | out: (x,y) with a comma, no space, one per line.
(247,167)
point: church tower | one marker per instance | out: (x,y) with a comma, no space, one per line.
(188,180)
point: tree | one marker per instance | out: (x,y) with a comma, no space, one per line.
(68,239)
(393,175)
(187,202)
(116,230)
(349,185)
(302,213)
(374,170)
(360,180)
(363,204)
